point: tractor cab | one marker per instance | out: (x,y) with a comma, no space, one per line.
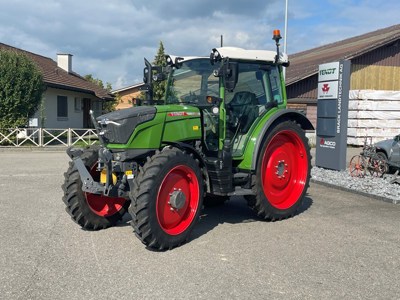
(233,89)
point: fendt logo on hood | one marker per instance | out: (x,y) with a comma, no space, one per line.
(327,144)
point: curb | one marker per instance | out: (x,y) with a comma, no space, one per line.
(372,196)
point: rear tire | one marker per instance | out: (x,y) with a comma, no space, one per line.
(282,174)
(90,211)
(167,199)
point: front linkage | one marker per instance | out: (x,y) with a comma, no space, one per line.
(106,167)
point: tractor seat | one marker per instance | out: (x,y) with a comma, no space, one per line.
(244,108)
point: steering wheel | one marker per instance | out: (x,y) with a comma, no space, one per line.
(192,98)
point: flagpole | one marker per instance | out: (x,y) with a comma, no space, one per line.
(286,27)
(286,33)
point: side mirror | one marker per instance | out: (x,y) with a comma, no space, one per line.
(147,77)
(147,72)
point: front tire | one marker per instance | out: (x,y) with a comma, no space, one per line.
(167,199)
(282,174)
(90,211)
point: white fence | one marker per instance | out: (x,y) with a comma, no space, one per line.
(47,137)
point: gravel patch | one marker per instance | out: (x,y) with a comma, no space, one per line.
(368,185)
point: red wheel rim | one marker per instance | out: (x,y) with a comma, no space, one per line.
(284,169)
(102,205)
(180,180)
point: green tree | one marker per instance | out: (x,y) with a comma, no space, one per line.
(159,60)
(107,105)
(158,87)
(21,89)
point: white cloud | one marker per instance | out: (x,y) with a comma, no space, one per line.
(110,38)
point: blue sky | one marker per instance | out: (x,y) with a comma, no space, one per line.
(109,38)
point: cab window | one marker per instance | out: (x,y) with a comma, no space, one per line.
(257,86)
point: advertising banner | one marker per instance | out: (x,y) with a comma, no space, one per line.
(332,115)
(328,90)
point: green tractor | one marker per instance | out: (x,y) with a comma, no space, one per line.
(222,130)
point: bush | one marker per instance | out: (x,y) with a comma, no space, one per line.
(21,88)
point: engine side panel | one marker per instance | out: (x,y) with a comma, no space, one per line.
(171,123)
(145,136)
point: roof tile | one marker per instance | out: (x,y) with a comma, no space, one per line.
(57,77)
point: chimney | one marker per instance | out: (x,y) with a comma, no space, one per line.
(64,61)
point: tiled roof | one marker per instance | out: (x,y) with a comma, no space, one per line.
(305,64)
(55,76)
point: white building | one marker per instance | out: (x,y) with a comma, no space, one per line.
(68,96)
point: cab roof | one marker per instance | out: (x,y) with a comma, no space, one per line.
(249,55)
(240,54)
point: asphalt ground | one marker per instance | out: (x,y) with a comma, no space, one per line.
(340,246)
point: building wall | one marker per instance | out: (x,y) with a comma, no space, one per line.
(304,89)
(127,98)
(375,77)
(377,70)
(312,114)
(75,109)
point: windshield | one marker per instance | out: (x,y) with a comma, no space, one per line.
(192,82)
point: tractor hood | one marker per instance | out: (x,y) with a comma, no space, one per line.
(117,126)
(174,112)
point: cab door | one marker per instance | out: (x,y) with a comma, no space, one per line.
(257,87)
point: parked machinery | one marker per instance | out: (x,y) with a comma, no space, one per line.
(223,129)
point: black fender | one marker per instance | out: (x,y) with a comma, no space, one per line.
(197,155)
(280,116)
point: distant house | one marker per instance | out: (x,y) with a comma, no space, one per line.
(68,97)
(127,95)
(375,65)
